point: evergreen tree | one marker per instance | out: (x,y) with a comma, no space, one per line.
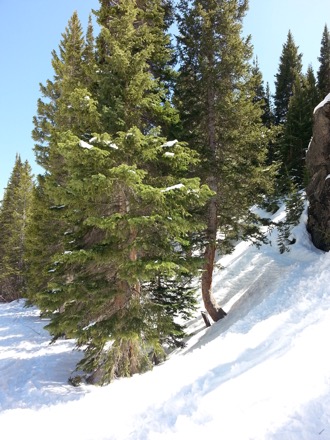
(262,95)
(67,104)
(126,206)
(221,117)
(264,98)
(297,130)
(128,95)
(66,99)
(268,116)
(289,71)
(14,217)
(323,74)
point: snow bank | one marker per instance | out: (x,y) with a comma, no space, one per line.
(261,373)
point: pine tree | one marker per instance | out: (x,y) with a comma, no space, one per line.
(289,71)
(297,130)
(127,203)
(67,104)
(323,74)
(262,95)
(67,97)
(128,95)
(14,218)
(221,116)
(111,283)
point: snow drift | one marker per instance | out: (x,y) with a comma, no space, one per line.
(263,372)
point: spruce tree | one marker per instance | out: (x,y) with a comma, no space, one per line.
(67,104)
(289,71)
(297,130)
(221,118)
(262,95)
(323,73)
(126,202)
(127,94)
(14,218)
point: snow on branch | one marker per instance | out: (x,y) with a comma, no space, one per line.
(177,186)
(170,143)
(84,144)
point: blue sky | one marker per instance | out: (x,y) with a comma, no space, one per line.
(31,29)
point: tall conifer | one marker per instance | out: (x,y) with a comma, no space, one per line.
(221,118)
(128,207)
(297,130)
(14,218)
(67,104)
(289,71)
(323,73)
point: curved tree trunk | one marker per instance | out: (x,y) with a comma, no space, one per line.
(211,306)
(214,310)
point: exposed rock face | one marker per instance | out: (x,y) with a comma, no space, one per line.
(318,166)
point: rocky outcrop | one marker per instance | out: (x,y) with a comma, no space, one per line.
(318,166)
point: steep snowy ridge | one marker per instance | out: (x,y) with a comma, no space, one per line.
(261,373)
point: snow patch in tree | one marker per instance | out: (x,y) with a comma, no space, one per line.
(170,143)
(91,324)
(112,145)
(84,144)
(177,186)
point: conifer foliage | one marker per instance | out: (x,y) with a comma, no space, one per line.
(14,217)
(126,214)
(289,71)
(323,73)
(297,130)
(121,195)
(221,114)
(296,95)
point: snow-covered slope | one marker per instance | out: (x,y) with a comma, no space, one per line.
(263,372)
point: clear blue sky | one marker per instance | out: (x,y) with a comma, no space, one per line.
(31,29)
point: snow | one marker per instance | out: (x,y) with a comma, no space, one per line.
(261,373)
(170,143)
(94,139)
(177,186)
(322,103)
(112,145)
(84,144)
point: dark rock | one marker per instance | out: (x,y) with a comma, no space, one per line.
(318,188)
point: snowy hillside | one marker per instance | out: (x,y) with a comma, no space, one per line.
(263,372)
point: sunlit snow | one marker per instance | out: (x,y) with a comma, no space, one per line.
(322,103)
(170,188)
(261,373)
(84,144)
(170,143)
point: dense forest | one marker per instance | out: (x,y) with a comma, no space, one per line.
(154,150)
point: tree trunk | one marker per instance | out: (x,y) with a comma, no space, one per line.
(213,309)
(210,303)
